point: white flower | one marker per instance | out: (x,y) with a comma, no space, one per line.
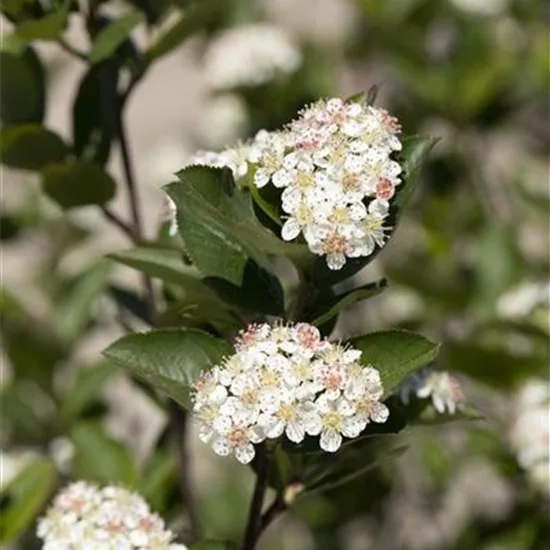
(332,419)
(335,167)
(285,379)
(443,388)
(250,55)
(170,215)
(86,516)
(530,432)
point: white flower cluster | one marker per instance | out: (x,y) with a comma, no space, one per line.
(286,379)
(250,55)
(530,433)
(443,388)
(335,168)
(109,518)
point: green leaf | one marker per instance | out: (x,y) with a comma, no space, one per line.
(92,135)
(100,458)
(75,309)
(164,264)
(131,302)
(217,223)
(412,156)
(87,385)
(430,417)
(493,366)
(49,27)
(159,478)
(22,87)
(169,360)
(192,20)
(256,282)
(345,476)
(395,354)
(211,544)
(25,497)
(326,309)
(30,147)
(196,297)
(498,263)
(78,184)
(112,36)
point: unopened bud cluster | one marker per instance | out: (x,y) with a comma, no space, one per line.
(86,516)
(334,166)
(286,379)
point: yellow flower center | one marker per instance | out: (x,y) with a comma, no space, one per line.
(339,215)
(332,420)
(304,215)
(304,180)
(269,378)
(286,412)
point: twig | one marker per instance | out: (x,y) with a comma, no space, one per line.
(179,422)
(72,50)
(275,509)
(254,525)
(122,225)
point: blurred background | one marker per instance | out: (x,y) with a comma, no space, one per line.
(468,267)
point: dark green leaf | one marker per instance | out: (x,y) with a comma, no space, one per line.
(159,478)
(85,389)
(260,290)
(75,309)
(214,545)
(49,27)
(100,458)
(12,7)
(78,184)
(113,35)
(343,477)
(31,147)
(395,354)
(170,360)
(25,497)
(326,309)
(217,223)
(192,20)
(22,87)
(429,416)
(161,263)
(131,302)
(412,156)
(92,131)
(496,367)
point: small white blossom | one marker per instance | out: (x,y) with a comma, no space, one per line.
(443,388)
(335,166)
(86,516)
(285,379)
(530,432)
(522,300)
(234,158)
(250,55)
